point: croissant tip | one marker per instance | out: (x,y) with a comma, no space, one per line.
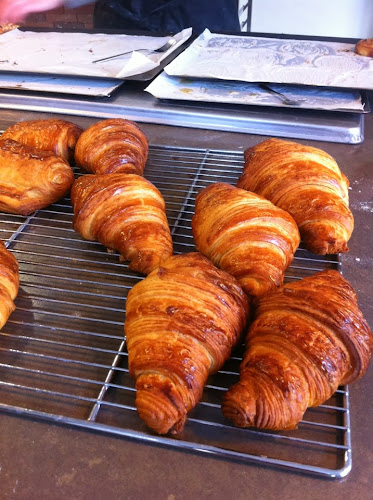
(236,415)
(242,415)
(326,247)
(158,414)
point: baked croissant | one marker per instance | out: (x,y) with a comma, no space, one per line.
(31,179)
(9,283)
(307,183)
(245,235)
(58,136)
(307,339)
(112,146)
(181,324)
(124,212)
(365,47)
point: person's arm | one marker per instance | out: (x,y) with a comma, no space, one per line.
(15,11)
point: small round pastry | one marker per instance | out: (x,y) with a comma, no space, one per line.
(365,47)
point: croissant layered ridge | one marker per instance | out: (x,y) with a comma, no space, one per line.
(307,338)
(124,212)
(307,183)
(111,146)
(31,179)
(245,235)
(55,135)
(9,283)
(182,322)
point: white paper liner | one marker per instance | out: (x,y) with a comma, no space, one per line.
(73,53)
(95,87)
(205,90)
(260,59)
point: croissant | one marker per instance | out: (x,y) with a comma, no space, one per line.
(124,212)
(307,339)
(181,324)
(365,47)
(31,179)
(112,146)
(307,183)
(9,283)
(245,235)
(58,136)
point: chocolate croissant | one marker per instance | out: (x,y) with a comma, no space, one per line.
(307,183)
(245,235)
(307,339)
(9,283)
(31,179)
(55,135)
(112,146)
(124,212)
(181,324)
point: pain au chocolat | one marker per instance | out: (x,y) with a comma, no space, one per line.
(53,134)
(31,179)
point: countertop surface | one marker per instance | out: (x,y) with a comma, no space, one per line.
(44,460)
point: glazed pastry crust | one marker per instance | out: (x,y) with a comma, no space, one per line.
(55,135)
(31,179)
(307,339)
(112,146)
(365,47)
(245,235)
(9,283)
(307,183)
(124,212)
(181,324)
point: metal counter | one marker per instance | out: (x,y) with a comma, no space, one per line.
(60,460)
(63,356)
(132,102)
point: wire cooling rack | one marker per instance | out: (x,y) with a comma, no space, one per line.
(62,352)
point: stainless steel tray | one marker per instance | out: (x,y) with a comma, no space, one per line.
(132,102)
(62,352)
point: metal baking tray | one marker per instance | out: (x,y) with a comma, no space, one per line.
(132,102)
(62,352)
(141,77)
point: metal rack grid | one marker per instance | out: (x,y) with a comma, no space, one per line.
(62,352)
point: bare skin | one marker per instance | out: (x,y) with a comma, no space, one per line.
(16,11)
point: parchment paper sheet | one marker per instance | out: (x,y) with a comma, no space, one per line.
(72,53)
(209,90)
(257,59)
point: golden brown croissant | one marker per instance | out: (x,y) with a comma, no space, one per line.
(365,47)
(181,324)
(245,235)
(307,183)
(124,212)
(307,339)
(58,136)
(9,283)
(31,179)
(112,146)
